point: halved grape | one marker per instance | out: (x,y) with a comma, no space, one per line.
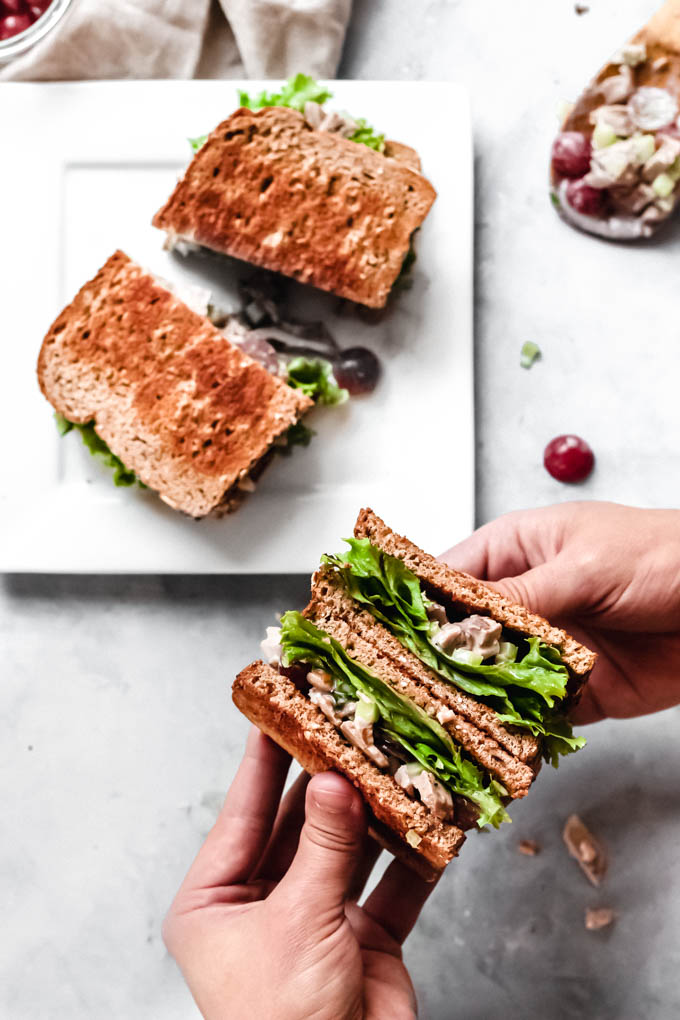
(584,199)
(571,154)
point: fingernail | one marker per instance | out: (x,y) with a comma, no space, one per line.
(334,802)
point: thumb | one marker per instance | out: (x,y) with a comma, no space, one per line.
(552,589)
(330,844)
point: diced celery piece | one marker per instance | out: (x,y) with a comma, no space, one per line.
(644,146)
(367,711)
(663,185)
(603,136)
(529,353)
(465,655)
(507,653)
(674,171)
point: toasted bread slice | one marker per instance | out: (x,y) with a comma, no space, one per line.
(510,755)
(187,411)
(470,595)
(274,704)
(269,189)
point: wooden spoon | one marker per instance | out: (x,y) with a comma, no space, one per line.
(629,184)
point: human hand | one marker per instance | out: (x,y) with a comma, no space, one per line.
(266,923)
(609,574)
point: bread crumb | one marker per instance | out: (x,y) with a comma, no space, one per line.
(585,849)
(599,917)
(581,8)
(528,847)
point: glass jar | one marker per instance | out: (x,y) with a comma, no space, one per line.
(21,43)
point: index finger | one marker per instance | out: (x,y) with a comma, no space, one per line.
(237,840)
(502,548)
(397,900)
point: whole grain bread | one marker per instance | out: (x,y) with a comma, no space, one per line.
(273,703)
(467,593)
(269,189)
(511,756)
(187,411)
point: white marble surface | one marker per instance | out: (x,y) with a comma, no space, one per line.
(117,737)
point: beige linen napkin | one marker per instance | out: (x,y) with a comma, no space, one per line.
(187,39)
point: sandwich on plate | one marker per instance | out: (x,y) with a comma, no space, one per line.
(616,162)
(434,695)
(168,400)
(317,196)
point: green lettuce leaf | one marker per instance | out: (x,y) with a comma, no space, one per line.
(423,737)
(297,435)
(523,693)
(303,89)
(297,91)
(366,135)
(98,448)
(314,376)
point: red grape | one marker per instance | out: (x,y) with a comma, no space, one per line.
(297,674)
(584,199)
(568,459)
(12,7)
(571,154)
(357,370)
(13,24)
(38,7)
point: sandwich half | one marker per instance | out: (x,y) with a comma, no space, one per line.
(437,697)
(163,394)
(285,190)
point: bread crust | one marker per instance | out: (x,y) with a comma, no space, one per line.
(181,406)
(513,757)
(273,703)
(471,594)
(269,189)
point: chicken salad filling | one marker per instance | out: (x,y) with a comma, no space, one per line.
(392,732)
(522,679)
(621,178)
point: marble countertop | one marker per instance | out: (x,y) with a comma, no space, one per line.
(118,738)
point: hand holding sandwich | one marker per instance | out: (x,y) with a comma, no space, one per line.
(612,575)
(270,926)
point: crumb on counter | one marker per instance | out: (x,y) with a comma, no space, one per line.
(528,847)
(599,917)
(585,849)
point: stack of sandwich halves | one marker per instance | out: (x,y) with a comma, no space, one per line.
(434,695)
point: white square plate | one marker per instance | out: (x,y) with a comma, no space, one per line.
(84,168)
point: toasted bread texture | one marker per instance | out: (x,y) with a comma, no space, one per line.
(274,704)
(269,189)
(187,411)
(511,756)
(469,594)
